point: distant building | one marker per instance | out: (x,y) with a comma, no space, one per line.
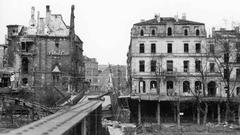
(91,72)
(3,51)
(114,75)
(46,53)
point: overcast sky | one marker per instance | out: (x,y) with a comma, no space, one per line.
(104,25)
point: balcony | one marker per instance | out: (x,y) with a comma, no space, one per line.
(151,55)
(28,53)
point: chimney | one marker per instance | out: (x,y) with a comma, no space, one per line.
(38,21)
(32,21)
(157,17)
(184,16)
(71,30)
(142,20)
(48,13)
(237,29)
(47,8)
(176,18)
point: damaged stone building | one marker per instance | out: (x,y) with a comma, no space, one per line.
(47,53)
(170,61)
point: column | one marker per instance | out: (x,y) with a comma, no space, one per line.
(178,114)
(238,114)
(158,114)
(219,113)
(139,113)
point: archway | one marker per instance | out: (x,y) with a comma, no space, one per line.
(211,88)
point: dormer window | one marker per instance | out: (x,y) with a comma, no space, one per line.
(142,33)
(169,31)
(153,32)
(197,32)
(185,32)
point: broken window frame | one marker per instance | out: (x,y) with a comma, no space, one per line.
(198,47)
(198,64)
(153,65)
(211,67)
(186,87)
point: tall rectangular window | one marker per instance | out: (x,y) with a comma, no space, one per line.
(237,74)
(169,47)
(198,48)
(238,46)
(153,48)
(226,57)
(198,65)
(185,48)
(169,65)
(185,66)
(238,58)
(212,67)
(141,66)
(226,74)
(141,48)
(212,49)
(153,65)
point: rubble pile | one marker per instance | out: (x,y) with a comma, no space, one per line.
(117,128)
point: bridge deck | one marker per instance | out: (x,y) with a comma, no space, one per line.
(60,122)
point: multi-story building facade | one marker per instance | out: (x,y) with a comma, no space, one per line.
(91,72)
(46,53)
(172,49)
(169,57)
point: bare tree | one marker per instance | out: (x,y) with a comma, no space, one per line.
(225,58)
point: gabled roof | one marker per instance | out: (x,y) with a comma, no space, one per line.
(165,20)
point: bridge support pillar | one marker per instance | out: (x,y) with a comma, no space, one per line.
(84,127)
(219,113)
(158,115)
(139,113)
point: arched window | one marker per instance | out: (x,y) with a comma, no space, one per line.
(169,31)
(212,88)
(198,86)
(153,32)
(186,86)
(142,33)
(197,32)
(170,88)
(185,32)
(153,84)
